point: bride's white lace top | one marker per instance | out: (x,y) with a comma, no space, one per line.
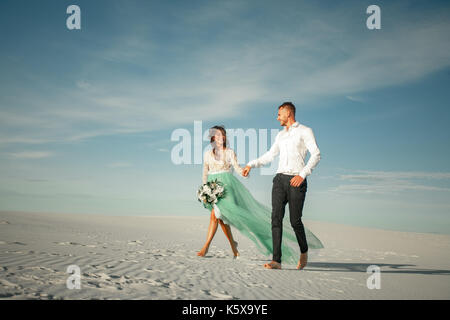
(222,161)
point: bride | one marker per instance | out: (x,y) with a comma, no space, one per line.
(238,208)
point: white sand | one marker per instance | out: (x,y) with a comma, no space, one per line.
(155,258)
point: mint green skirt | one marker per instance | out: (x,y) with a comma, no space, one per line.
(240,209)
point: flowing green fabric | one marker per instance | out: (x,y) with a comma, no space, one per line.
(242,211)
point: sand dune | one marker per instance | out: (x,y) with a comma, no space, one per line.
(155,258)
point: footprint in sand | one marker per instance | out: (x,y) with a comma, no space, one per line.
(8,295)
(97,266)
(261,285)
(220,295)
(135,242)
(152,270)
(19,243)
(345,278)
(9,285)
(42,295)
(42,269)
(69,243)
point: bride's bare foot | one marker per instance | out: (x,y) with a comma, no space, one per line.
(202,252)
(235,250)
(303,261)
(272,265)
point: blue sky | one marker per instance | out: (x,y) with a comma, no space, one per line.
(86,115)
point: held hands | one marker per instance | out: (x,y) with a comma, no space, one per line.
(246,171)
(296,181)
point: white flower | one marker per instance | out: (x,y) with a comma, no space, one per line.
(211,192)
(206,189)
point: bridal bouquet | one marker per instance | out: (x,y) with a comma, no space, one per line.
(211,192)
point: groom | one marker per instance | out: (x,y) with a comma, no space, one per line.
(290,184)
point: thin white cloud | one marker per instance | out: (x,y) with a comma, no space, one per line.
(354,98)
(29,154)
(82,84)
(384,188)
(25,140)
(389,182)
(394,175)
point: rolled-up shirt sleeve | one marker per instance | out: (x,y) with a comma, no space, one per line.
(267,157)
(311,145)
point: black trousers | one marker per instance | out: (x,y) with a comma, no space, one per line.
(283,193)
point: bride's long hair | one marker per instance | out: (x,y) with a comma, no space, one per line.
(212,132)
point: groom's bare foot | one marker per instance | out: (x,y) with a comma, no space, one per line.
(272,265)
(202,252)
(303,261)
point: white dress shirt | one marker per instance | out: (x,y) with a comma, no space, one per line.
(292,145)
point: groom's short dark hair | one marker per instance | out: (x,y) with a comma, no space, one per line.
(288,105)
